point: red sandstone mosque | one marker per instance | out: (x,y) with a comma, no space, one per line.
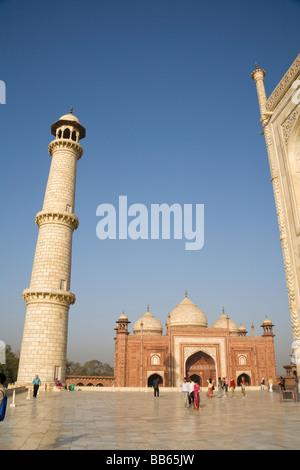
(190,348)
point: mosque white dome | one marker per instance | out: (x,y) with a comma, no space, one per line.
(187,314)
(224,322)
(150,325)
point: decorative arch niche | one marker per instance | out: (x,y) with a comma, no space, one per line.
(202,363)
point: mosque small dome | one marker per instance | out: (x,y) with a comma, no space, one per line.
(187,314)
(150,325)
(122,317)
(267,321)
(68,117)
(224,322)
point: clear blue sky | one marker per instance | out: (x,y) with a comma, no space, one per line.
(163,88)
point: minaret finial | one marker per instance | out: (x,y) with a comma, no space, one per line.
(186,293)
(148,308)
(256,66)
(71,110)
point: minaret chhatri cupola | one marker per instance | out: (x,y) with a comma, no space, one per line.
(258,77)
(49,297)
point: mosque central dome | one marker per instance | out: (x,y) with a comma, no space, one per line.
(187,314)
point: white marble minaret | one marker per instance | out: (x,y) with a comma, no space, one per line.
(48,298)
(280,118)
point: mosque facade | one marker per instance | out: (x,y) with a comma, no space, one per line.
(190,348)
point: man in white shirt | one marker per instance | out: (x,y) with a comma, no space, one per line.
(191,391)
(185,390)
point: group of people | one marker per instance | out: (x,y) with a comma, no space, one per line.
(191,390)
(191,393)
(225,385)
(271,383)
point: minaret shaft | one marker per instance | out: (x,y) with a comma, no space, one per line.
(60,191)
(44,344)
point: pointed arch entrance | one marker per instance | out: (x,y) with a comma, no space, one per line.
(202,366)
(246,377)
(152,377)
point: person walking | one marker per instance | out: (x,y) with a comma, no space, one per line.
(185,390)
(36,383)
(197,391)
(155,385)
(210,388)
(232,387)
(226,386)
(262,383)
(270,383)
(243,387)
(220,388)
(191,392)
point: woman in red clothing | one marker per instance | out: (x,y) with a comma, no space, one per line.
(197,391)
(232,387)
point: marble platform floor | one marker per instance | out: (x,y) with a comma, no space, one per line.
(85,420)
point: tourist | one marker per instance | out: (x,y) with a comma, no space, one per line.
(210,389)
(58,383)
(226,385)
(36,383)
(282,384)
(220,388)
(243,387)
(197,391)
(185,390)
(155,385)
(232,388)
(270,383)
(262,384)
(2,388)
(191,391)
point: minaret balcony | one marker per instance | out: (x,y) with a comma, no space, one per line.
(65,143)
(54,295)
(65,218)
